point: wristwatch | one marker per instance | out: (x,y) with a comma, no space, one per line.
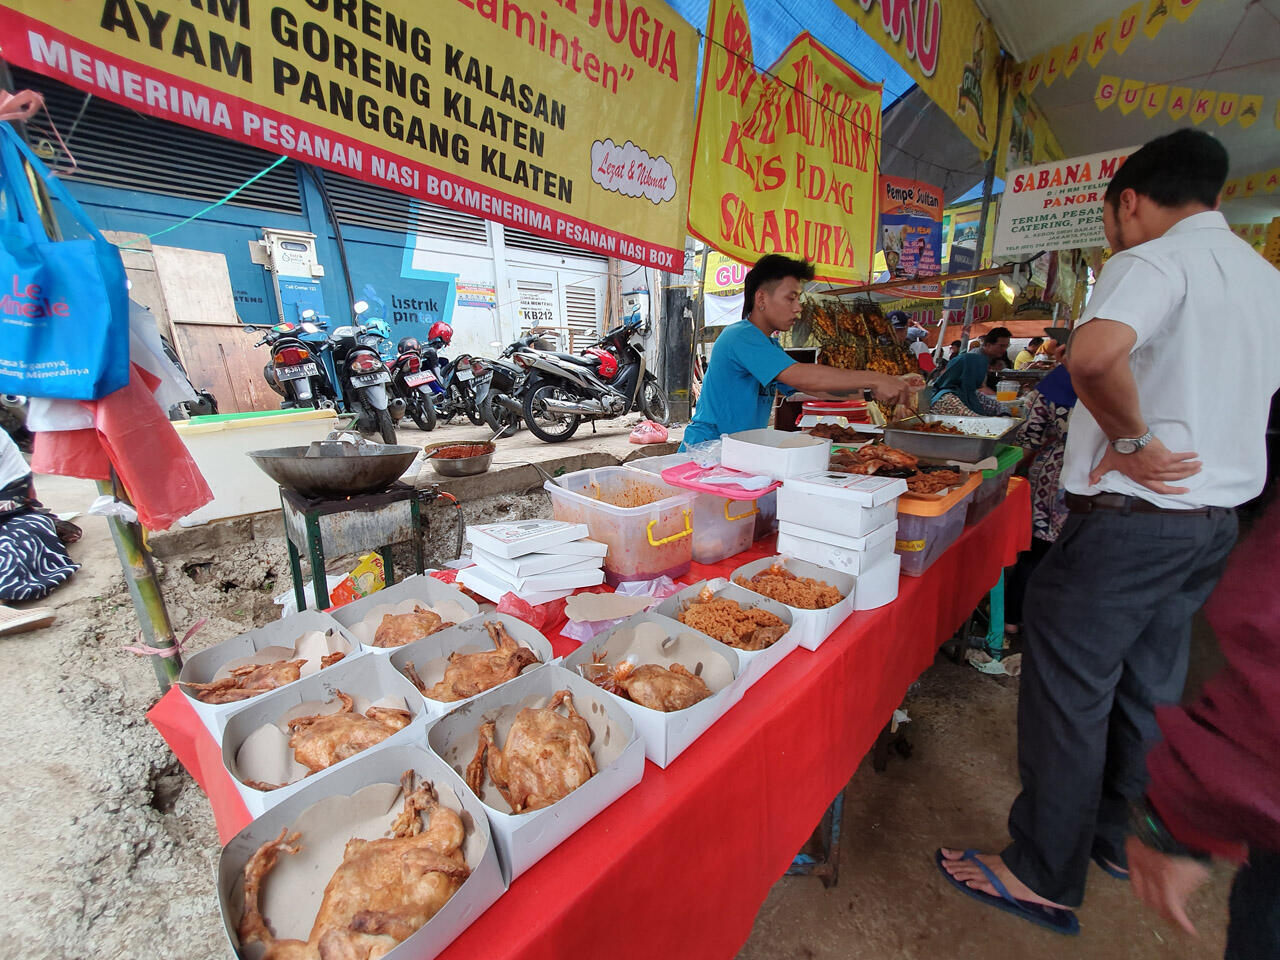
(1128,445)
(1146,825)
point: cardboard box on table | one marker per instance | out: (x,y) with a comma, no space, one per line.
(848,504)
(311,634)
(814,626)
(850,555)
(666,735)
(753,664)
(774,453)
(430,655)
(255,741)
(524,839)
(360,800)
(362,617)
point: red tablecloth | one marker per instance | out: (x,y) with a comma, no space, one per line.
(679,866)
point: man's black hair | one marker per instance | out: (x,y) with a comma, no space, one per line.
(768,270)
(1035,342)
(1186,166)
(954,343)
(995,334)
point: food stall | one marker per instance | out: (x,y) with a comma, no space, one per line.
(743,755)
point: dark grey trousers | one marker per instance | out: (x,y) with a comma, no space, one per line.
(1107,625)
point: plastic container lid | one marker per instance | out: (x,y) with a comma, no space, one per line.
(835,408)
(930,506)
(685,476)
(1007,457)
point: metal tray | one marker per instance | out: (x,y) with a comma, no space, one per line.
(945,446)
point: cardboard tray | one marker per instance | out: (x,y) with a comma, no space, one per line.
(814,626)
(264,644)
(429,655)
(666,735)
(754,663)
(360,800)
(370,680)
(774,453)
(362,617)
(524,839)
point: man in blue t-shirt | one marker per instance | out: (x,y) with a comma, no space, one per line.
(748,366)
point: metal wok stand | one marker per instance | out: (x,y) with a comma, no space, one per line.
(348,525)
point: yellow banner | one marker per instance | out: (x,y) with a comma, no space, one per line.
(1225,111)
(1157,14)
(1108,90)
(725,276)
(1053,64)
(1075,54)
(1126,27)
(1115,33)
(1178,101)
(1153,99)
(1026,135)
(1271,180)
(1098,43)
(1201,106)
(570,120)
(1250,107)
(948,48)
(1130,96)
(784,161)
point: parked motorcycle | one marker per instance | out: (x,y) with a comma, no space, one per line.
(363,377)
(500,389)
(205,404)
(412,380)
(455,388)
(295,370)
(608,380)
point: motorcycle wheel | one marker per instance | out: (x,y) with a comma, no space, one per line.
(386,426)
(423,412)
(450,404)
(498,418)
(472,409)
(653,403)
(551,428)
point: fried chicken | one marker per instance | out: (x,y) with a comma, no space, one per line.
(833,431)
(934,481)
(248,681)
(470,673)
(381,893)
(872,458)
(396,630)
(746,628)
(547,756)
(665,689)
(805,593)
(321,740)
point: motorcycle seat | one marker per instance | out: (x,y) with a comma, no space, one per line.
(580,361)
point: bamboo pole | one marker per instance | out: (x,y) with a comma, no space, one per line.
(144,589)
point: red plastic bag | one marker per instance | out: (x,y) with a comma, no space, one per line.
(646,431)
(539,617)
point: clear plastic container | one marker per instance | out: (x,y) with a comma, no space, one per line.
(995,483)
(927,526)
(646,524)
(721,527)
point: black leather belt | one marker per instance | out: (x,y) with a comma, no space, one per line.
(1119,503)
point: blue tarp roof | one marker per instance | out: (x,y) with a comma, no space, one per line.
(773,27)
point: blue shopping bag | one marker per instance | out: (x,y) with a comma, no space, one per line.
(64,305)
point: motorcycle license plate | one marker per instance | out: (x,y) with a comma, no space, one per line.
(369,379)
(298,372)
(418,379)
(465,375)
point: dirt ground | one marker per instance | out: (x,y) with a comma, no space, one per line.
(110,847)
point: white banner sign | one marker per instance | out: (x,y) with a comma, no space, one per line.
(1055,206)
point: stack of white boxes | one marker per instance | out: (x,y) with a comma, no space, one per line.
(846,522)
(537,560)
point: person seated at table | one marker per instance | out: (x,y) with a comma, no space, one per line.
(33,560)
(748,367)
(1027,355)
(961,390)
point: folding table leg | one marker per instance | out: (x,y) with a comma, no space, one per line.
(826,866)
(315,547)
(295,570)
(388,571)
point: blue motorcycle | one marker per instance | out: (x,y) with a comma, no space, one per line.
(353,357)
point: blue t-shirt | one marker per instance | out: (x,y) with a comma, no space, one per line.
(737,391)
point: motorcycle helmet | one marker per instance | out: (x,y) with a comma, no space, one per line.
(378,328)
(440,331)
(408,345)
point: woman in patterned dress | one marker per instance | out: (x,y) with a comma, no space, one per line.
(32,558)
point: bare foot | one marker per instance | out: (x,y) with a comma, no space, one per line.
(968,873)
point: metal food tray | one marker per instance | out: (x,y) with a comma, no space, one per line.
(946,446)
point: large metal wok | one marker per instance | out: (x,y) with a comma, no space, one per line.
(328,470)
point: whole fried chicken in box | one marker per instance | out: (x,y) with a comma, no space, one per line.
(665,689)
(471,673)
(396,630)
(804,593)
(381,893)
(547,756)
(746,628)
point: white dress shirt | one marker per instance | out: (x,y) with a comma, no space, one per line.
(1206,310)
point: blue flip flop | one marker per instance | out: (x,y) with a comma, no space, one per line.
(1057,919)
(1118,872)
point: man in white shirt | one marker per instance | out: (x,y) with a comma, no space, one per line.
(1167,439)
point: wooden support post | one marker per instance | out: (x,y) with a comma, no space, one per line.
(144,589)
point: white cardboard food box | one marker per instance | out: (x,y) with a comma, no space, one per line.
(361,800)
(361,617)
(774,453)
(754,663)
(535,563)
(257,736)
(482,582)
(430,655)
(814,626)
(878,584)
(846,554)
(588,573)
(844,503)
(314,631)
(518,537)
(524,839)
(666,735)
